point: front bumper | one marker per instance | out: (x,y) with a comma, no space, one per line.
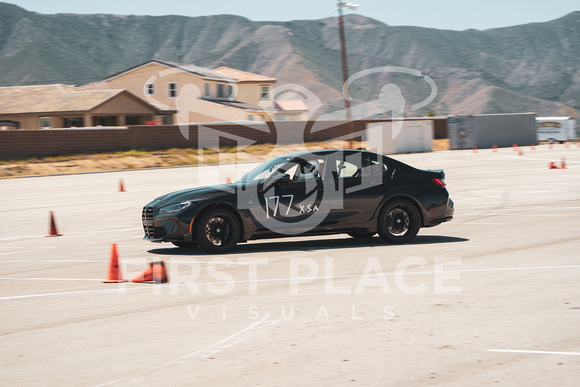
(164,228)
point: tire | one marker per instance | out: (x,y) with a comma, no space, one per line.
(362,235)
(185,245)
(217,230)
(399,221)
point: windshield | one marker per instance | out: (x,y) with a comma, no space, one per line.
(264,170)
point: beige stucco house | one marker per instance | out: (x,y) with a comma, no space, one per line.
(201,95)
(62,106)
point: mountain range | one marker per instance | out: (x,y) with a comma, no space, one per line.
(526,68)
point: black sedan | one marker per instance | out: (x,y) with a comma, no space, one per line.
(321,192)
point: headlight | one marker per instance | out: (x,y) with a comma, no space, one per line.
(175,207)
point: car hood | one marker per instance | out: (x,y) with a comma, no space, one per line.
(195,194)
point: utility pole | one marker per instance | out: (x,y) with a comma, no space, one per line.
(349,123)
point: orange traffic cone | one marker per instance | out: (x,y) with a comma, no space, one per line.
(494,147)
(474,149)
(146,276)
(521,152)
(53,232)
(159,273)
(563,163)
(552,165)
(228,180)
(515,147)
(533,146)
(114,270)
(156,273)
(121,186)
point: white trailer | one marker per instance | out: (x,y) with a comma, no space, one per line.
(554,129)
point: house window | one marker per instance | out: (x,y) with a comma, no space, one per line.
(250,117)
(150,89)
(264,91)
(230,92)
(133,120)
(172,89)
(220,90)
(207,92)
(105,121)
(74,122)
(166,120)
(45,122)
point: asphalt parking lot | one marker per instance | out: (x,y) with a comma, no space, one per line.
(492,297)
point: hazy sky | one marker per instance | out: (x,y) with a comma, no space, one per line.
(442,14)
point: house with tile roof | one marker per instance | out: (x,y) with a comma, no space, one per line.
(62,106)
(201,95)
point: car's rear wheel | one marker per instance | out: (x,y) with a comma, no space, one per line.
(399,221)
(185,245)
(217,230)
(361,235)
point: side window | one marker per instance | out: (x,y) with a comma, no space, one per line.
(360,165)
(371,166)
(312,169)
(346,169)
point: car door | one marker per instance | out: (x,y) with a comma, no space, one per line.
(291,196)
(360,179)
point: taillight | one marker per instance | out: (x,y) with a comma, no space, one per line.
(439,182)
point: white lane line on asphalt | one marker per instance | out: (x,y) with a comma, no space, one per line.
(534,352)
(220,346)
(47,279)
(123,290)
(488,224)
(59,260)
(62,293)
(228,341)
(71,233)
(125,261)
(22,237)
(17,252)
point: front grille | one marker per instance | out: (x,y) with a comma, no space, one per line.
(147,218)
(159,232)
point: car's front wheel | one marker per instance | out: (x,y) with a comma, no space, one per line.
(217,230)
(399,221)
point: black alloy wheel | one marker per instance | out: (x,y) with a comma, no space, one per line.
(217,230)
(399,221)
